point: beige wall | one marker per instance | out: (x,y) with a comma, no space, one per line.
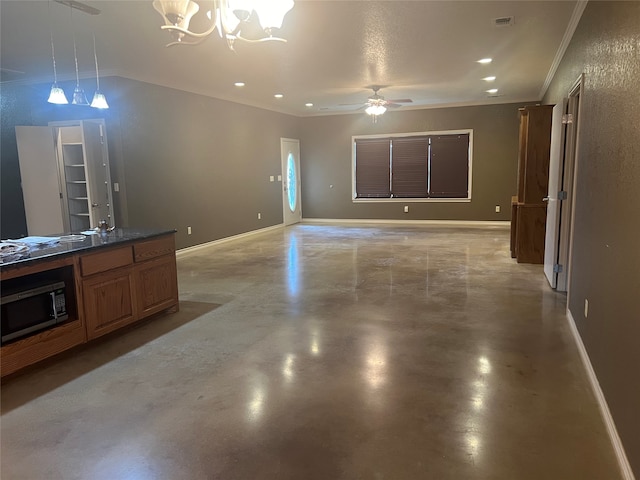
(606,249)
(326,160)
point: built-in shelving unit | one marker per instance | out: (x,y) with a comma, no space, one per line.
(76,194)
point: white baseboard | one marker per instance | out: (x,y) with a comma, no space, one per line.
(625,467)
(341,221)
(441,223)
(185,251)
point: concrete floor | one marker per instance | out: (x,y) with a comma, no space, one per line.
(317,352)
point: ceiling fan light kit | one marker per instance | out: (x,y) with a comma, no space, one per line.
(376,104)
(229,17)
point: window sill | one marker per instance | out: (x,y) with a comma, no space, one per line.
(411,200)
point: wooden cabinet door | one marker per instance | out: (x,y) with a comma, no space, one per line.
(108,301)
(156,285)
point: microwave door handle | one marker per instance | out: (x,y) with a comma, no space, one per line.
(53,306)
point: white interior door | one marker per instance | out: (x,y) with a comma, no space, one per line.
(40,181)
(552,236)
(98,173)
(290,156)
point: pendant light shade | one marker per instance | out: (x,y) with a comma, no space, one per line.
(271,14)
(99,100)
(56,95)
(79,98)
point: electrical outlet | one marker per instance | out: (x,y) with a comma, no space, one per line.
(271,178)
(406,209)
(259,216)
(188,230)
(586,308)
(116,187)
(497,208)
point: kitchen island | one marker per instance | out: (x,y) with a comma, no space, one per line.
(110,280)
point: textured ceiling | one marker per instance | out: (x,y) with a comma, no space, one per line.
(422,50)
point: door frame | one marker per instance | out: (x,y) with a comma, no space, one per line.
(576,96)
(289,217)
(102,125)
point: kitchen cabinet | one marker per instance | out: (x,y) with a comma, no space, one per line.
(123,285)
(107,289)
(65,177)
(529,209)
(111,281)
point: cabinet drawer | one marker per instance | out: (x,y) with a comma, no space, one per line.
(108,260)
(154,248)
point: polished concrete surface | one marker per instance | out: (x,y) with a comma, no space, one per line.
(319,352)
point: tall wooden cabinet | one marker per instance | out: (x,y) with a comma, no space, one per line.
(529,207)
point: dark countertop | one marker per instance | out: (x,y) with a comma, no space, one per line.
(90,242)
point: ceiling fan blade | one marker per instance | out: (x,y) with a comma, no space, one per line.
(401,100)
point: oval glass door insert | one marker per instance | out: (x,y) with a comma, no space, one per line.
(292,183)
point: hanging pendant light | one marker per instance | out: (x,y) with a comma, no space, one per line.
(99,100)
(79,98)
(56,95)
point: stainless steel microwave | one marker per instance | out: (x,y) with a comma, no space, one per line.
(28,311)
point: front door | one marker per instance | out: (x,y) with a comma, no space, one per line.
(290,155)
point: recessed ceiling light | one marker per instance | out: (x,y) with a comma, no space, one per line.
(485,60)
(239,84)
(278,95)
(489,79)
(308,104)
(493,90)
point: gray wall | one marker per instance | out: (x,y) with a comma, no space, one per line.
(326,160)
(27,105)
(197,161)
(606,248)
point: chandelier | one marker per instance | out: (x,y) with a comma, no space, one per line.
(229,17)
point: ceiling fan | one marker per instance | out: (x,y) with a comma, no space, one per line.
(376,104)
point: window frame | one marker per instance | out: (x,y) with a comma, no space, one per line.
(391,136)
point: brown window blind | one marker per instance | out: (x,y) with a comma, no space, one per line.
(449,166)
(410,159)
(373,171)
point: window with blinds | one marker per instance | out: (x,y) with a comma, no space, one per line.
(413,166)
